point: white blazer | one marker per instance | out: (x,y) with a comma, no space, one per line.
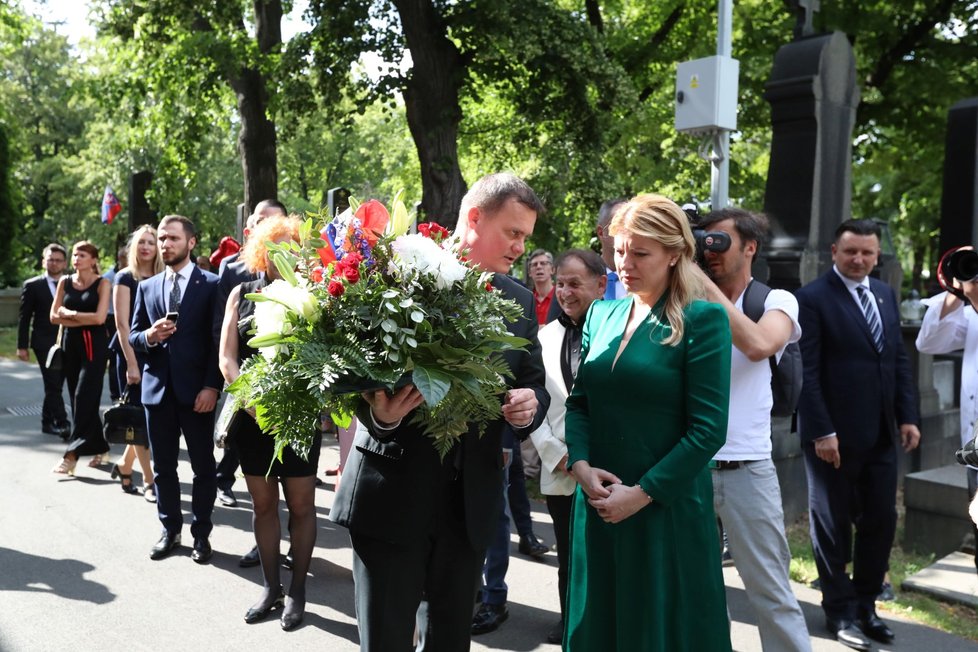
(958,330)
(549,437)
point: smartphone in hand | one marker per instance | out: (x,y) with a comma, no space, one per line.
(172,316)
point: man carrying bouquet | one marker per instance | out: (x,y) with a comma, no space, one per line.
(420,523)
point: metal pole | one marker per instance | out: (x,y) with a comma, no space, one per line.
(720,161)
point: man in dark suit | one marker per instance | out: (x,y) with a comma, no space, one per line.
(181,382)
(34,328)
(857,387)
(419,524)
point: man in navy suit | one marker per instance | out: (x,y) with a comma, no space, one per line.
(181,382)
(420,524)
(34,327)
(857,388)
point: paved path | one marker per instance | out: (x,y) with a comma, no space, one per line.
(75,573)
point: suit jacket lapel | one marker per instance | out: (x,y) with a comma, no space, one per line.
(849,305)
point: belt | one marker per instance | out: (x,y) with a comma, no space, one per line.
(726,465)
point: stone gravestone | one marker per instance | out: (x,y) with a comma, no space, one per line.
(959,200)
(139,211)
(813,96)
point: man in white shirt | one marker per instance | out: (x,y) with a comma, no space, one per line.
(747,496)
(949,326)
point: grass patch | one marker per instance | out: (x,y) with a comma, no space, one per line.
(8,343)
(956,619)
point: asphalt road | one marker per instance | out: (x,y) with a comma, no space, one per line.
(75,572)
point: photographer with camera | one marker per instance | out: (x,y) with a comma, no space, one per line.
(949,325)
(746,493)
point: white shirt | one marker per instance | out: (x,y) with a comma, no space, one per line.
(749,419)
(851,286)
(958,330)
(52,283)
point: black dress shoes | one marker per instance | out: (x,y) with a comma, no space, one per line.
(489,617)
(249,559)
(531,546)
(202,551)
(292,617)
(875,628)
(259,612)
(848,633)
(556,634)
(167,544)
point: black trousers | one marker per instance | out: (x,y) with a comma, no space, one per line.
(560,511)
(861,493)
(441,566)
(53,411)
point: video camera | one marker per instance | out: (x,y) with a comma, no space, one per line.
(715,241)
(960,263)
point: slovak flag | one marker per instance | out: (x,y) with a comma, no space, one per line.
(110,206)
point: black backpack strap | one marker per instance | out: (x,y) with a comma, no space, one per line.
(754,297)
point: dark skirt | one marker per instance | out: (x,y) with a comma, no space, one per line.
(255,449)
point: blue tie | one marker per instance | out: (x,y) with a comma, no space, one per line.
(610,291)
(873,319)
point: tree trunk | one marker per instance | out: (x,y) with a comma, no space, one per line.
(257,142)
(433,112)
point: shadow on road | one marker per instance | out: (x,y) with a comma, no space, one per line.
(62,577)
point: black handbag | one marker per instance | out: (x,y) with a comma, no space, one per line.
(125,423)
(56,356)
(229,422)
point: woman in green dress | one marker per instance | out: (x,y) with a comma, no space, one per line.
(647,413)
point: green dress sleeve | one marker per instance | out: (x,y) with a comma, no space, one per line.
(707,387)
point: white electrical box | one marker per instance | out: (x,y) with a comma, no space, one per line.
(706,95)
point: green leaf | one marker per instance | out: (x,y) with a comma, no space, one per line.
(432,384)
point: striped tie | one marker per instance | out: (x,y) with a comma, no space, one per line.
(873,319)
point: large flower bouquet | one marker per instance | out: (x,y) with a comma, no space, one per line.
(362,305)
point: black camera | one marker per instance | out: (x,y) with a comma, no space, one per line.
(961,264)
(715,241)
(967,454)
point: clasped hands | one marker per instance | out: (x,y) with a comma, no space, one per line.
(519,406)
(612,500)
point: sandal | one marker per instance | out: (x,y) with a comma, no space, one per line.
(125,479)
(66,467)
(149,493)
(95,462)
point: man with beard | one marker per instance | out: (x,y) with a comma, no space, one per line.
(173,329)
(34,326)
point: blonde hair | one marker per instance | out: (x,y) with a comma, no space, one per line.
(270,229)
(132,257)
(660,219)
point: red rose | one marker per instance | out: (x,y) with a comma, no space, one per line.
(351,274)
(316,274)
(488,286)
(433,230)
(335,288)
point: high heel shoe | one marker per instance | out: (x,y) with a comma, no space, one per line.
(149,493)
(126,486)
(256,614)
(66,467)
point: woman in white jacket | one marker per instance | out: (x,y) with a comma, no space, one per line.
(949,326)
(581,280)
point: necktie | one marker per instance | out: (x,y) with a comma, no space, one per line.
(174,293)
(873,319)
(611,290)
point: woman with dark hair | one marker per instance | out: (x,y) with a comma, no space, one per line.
(256,449)
(647,413)
(80,306)
(144,261)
